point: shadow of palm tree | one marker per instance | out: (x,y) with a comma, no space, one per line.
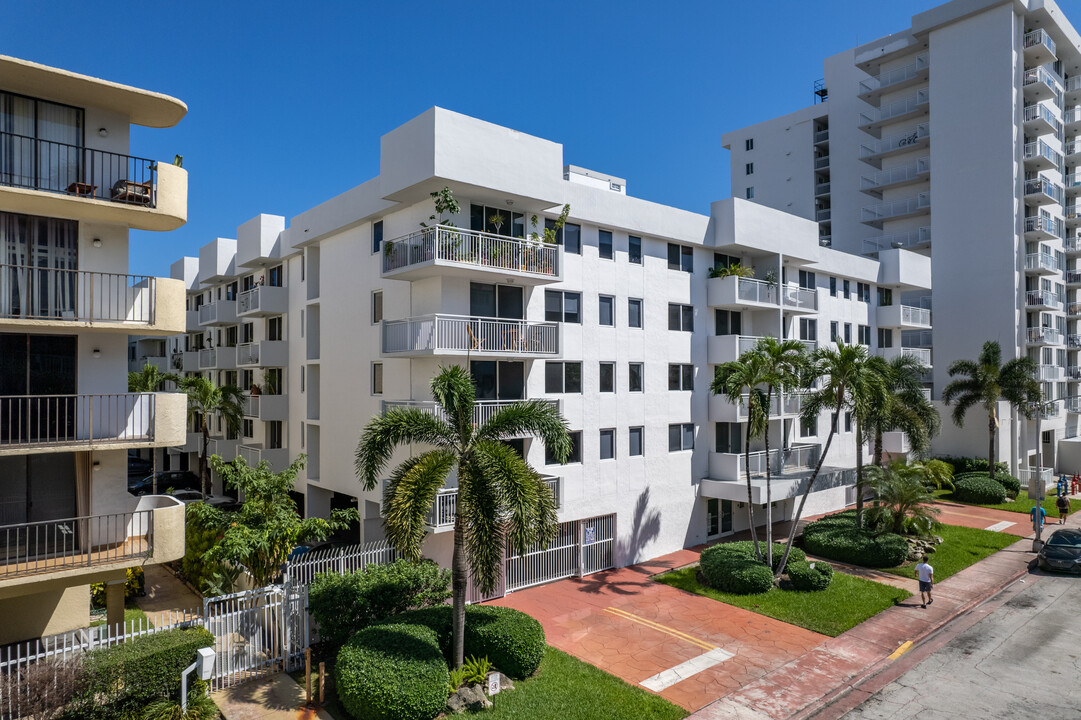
(645,528)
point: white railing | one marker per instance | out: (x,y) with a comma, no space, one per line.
(1072,115)
(1047,335)
(1044,223)
(251,406)
(1036,38)
(470,247)
(483,410)
(1045,474)
(896,142)
(927,393)
(53,545)
(342,560)
(253,300)
(1043,186)
(904,173)
(1073,84)
(896,208)
(798,297)
(1073,308)
(1073,372)
(897,75)
(743,408)
(1072,277)
(911,315)
(1072,180)
(1048,372)
(1039,111)
(1040,149)
(45,293)
(781,460)
(895,108)
(821,163)
(793,403)
(40,420)
(1040,75)
(436,333)
(751,290)
(1071,148)
(921,354)
(897,240)
(822,215)
(1041,261)
(1042,298)
(1073,404)
(444,509)
(247,353)
(1073,341)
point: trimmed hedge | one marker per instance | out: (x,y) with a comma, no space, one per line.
(746,548)
(836,537)
(964,465)
(732,567)
(806,578)
(392,672)
(140,671)
(512,640)
(979,489)
(1011,484)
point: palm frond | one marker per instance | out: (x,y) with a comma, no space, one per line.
(453,388)
(528,503)
(537,418)
(409,495)
(480,510)
(397,426)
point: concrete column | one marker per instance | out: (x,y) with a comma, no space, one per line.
(114,606)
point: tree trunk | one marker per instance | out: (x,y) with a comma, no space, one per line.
(859,473)
(459,581)
(878,447)
(203,479)
(769,505)
(750,504)
(991,446)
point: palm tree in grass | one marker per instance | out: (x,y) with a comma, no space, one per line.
(986,380)
(740,382)
(206,398)
(150,379)
(849,382)
(906,408)
(502,502)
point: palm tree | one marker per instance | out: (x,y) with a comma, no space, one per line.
(906,408)
(850,382)
(149,380)
(205,398)
(740,381)
(502,502)
(904,500)
(987,380)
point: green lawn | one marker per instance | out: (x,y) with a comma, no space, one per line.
(132,615)
(961,547)
(564,688)
(1022,504)
(846,603)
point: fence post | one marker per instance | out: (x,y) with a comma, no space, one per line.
(579,571)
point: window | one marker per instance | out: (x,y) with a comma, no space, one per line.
(750,169)
(377,307)
(634,312)
(273,381)
(680,258)
(562,306)
(248,428)
(863,334)
(833,287)
(863,292)
(748,144)
(720,260)
(303,273)
(575,455)
(847,292)
(377,235)
(885,338)
(807,279)
(727,322)
(562,377)
(848,333)
(303,378)
(606,310)
(634,249)
(635,446)
(680,317)
(808,427)
(607,382)
(727,438)
(608,444)
(377,378)
(570,236)
(247,332)
(808,329)
(750,193)
(634,377)
(680,377)
(680,437)
(275,276)
(835,329)
(274,328)
(848,422)
(885,297)
(604,244)
(507,224)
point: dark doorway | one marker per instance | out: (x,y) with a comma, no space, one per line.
(38,383)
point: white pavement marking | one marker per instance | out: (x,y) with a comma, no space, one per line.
(684,670)
(999,527)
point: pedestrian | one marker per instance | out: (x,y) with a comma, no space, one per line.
(1043,515)
(1063,504)
(1076,484)
(926,575)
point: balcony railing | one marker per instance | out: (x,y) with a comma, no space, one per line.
(444,510)
(1048,372)
(1039,111)
(781,460)
(822,214)
(1040,149)
(247,353)
(1073,277)
(54,545)
(911,315)
(1073,84)
(1043,186)
(1071,148)
(823,162)
(43,420)
(1045,335)
(894,109)
(822,188)
(55,167)
(483,410)
(1041,261)
(906,173)
(470,247)
(44,293)
(747,343)
(437,333)
(896,76)
(896,208)
(751,290)
(1073,372)
(1072,180)
(902,141)
(1042,298)
(798,297)
(910,238)
(1044,223)
(1037,38)
(1071,116)
(268,299)
(1040,75)
(822,136)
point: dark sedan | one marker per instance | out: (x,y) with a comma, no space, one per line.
(1062,551)
(174,479)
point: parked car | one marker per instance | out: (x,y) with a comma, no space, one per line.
(139,467)
(1062,551)
(189,496)
(176,479)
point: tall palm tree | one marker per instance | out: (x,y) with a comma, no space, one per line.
(740,381)
(849,383)
(987,380)
(205,398)
(906,408)
(502,502)
(150,379)
(783,363)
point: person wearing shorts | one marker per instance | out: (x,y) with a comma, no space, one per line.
(926,575)
(1063,504)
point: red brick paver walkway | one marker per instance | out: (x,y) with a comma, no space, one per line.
(978,517)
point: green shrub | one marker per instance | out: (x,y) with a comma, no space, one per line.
(140,671)
(746,548)
(134,585)
(344,604)
(392,672)
(979,489)
(1011,484)
(476,669)
(197,541)
(732,567)
(807,576)
(963,465)
(836,537)
(200,707)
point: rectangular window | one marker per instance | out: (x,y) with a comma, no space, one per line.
(727,438)
(377,378)
(808,329)
(377,307)
(720,260)
(606,310)
(808,427)
(848,422)
(604,244)
(635,446)
(575,454)
(807,279)
(570,237)
(607,377)
(634,250)
(680,317)
(248,428)
(680,258)
(634,377)
(833,287)
(274,328)
(748,144)
(562,377)
(680,437)
(608,444)
(303,378)
(863,292)
(681,377)
(727,322)
(377,235)
(863,334)
(847,291)
(247,332)
(562,306)
(275,276)
(634,312)
(848,333)
(750,193)
(885,297)
(749,169)
(885,338)
(835,329)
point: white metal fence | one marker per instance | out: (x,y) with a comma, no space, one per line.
(440,332)
(303,569)
(471,247)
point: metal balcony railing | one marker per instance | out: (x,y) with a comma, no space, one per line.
(1073,84)
(798,297)
(247,353)
(822,136)
(904,173)
(1042,298)
(896,142)
(1039,149)
(1048,372)
(823,162)
(438,332)
(1044,223)
(1040,75)
(1043,186)
(911,315)
(822,188)
(1039,111)
(1046,335)
(781,460)
(43,293)
(249,300)
(896,208)
(895,108)
(751,290)
(1041,261)
(54,545)
(470,247)
(55,167)
(896,76)
(444,510)
(1036,38)
(910,238)
(822,214)
(1072,277)
(483,410)
(42,420)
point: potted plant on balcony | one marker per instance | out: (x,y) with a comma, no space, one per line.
(496,220)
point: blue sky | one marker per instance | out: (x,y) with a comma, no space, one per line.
(287,100)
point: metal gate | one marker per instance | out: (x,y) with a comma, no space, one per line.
(598,543)
(257,632)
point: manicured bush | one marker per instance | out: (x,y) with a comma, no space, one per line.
(979,489)
(344,604)
(746,548)
(962,465)
(836,537)
(807,576)
(392,672)
(1011,484)
(732,567)
(140,671)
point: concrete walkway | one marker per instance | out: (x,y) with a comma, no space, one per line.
(166,596)
(278,697)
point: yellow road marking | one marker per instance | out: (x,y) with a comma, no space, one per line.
(905,647)
(662,628)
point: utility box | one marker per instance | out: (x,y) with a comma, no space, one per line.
(205,662)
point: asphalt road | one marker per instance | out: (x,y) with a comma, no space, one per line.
(1021,661)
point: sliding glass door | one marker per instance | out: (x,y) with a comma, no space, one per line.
(38,267)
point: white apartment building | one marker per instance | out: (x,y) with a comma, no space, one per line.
(69,192)
(956,138)
(352,306)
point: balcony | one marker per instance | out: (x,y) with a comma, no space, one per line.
(443,250)
(1039,48)
(1041,264)
(822,214)
(822,162)
(1048,373)
(192,443)
(1072,90)
(278,458)
(906,317)
(1073,404)
(1073,372)
(1071,120)
(440,517)
(1044,336)
(873,151)
(189,361)
(462,334)
(822,136)
(483,410)
(740,292)
(266,407)
(1041,191)
(878,213)
(1038,84)
(91,544)
(725,348)
(821,189)
(1042,300)
(266,353)
(1040,120)
(191,321)
(262,301)
(1072,245)
(871,89)
(797,299)
(732,466)
(1043,227)
(52,179)
(916,172)
(223,358)
(1073,309)
(1072,151)
(219,312)
(786,405)
(70,423)
(1073,183)
(1040,156)
(896,111)
(1072,277)
(923,355)
(920,237)
(896,443)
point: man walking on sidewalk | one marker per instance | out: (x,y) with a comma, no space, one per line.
(926,575)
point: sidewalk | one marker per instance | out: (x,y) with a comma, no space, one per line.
(278,697)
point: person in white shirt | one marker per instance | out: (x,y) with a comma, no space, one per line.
(926,575)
